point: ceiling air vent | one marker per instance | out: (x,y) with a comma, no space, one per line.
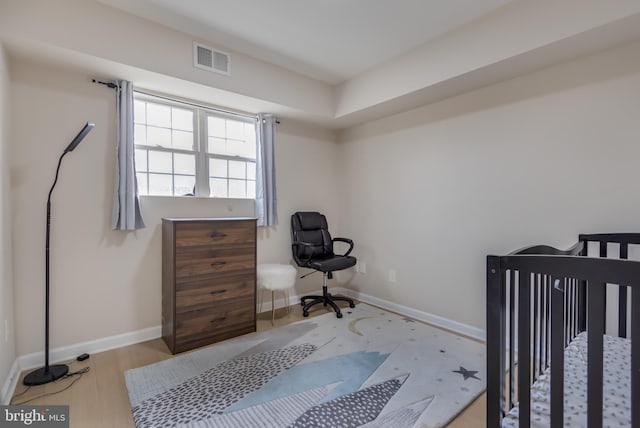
(211,59)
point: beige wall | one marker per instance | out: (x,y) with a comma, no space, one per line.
(533,160)
(428,192)
(105,282)
(7,343)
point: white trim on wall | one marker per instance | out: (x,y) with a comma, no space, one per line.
(65,353)
(70,352)
(10,384)
(436,320)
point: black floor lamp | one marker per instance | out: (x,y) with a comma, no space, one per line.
(49,373)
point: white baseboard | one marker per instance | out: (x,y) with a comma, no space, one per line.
(10,384)
(455,326)
(65,353)
(279,301)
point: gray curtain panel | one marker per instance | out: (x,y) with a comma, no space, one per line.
(126,204)
(266,196)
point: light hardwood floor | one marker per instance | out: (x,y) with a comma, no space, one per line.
(99,398)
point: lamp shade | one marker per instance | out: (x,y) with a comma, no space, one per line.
(83,133)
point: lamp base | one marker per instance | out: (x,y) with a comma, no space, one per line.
(42,375)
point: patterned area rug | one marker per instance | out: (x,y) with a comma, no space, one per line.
(369,369)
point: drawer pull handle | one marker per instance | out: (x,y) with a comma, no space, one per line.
(218,320)
(216,264)
(217,235)
(218,292)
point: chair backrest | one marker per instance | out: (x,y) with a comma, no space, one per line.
(312,228)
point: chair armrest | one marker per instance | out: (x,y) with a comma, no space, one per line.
(303,244)
(346,240)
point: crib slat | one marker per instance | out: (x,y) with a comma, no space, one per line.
(557,353)
(547,317)
(572,308)
(566,311)
(635,356)
(495,342)
(622,297)
(512,342)
(582,309)
(543,323)
(524,349)
(535,284)
(603,254)
(595,332)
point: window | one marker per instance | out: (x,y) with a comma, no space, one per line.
(183,150)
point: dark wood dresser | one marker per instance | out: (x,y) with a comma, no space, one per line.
(208,280)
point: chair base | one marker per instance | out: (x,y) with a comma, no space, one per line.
(325,299)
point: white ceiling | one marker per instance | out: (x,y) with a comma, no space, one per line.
(329,40)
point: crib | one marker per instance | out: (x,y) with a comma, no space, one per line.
(550,331)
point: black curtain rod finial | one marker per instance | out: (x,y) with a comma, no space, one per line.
(107,84)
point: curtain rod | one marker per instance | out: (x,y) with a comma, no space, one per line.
(114,86)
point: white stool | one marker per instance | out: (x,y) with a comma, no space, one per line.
(275,277)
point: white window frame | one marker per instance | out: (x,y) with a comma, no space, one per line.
(200,145)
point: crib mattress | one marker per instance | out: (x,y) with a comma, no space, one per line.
(616,387)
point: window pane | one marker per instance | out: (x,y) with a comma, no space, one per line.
(182,140)
(181,119)
(160,162)
(158,137)
(218,187)
(158,115)
(217,168)
(139,112)
(236,148)
(139,134)
(250,131)
(160,184)
(141,160)
(237,169)
(237,189)
(142,184)
(235,130)
(251,189)
(217,146)
(183,185)
(216,127)
(250,148)
(184,164)
(172,166)
(251,170)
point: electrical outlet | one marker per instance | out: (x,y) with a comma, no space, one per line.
(362,267)
(392,275)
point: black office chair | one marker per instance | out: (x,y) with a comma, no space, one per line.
(312,248)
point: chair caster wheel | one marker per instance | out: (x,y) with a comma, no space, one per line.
(339,314)
(305,313)
(352,305)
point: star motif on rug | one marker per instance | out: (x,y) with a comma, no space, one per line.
(467,373)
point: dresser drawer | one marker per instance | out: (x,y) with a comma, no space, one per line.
(217,321)
(207,261)
(202,293)
(208,280)
(214,233)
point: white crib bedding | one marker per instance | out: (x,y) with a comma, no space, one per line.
(616,387)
